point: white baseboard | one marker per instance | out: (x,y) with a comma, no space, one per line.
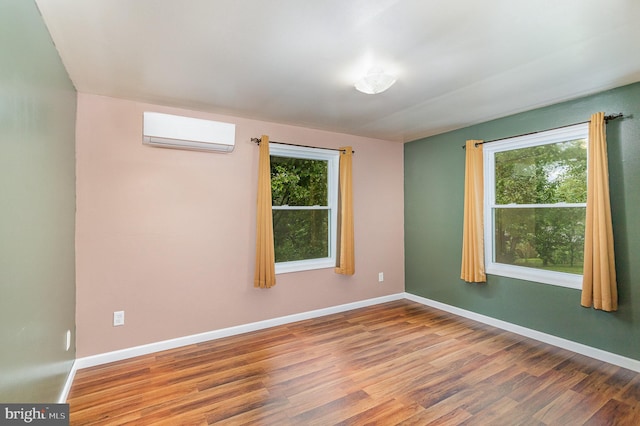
(599,354)
(67,384)
(119,355)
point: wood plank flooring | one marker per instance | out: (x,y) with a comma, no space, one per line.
(394,363)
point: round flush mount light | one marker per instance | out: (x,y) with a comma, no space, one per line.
(375,81)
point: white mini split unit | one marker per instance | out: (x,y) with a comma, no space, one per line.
(173,131)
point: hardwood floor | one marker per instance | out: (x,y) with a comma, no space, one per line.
(395,363)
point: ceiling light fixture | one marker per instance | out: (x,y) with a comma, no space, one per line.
(375,81)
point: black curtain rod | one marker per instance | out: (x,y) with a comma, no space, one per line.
(258,140)
(607,118)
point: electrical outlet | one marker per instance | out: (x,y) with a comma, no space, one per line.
(118,318)
(380,277)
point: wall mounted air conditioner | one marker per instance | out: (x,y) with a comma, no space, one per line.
(173,131)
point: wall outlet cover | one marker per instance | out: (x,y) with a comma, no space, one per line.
(118,318)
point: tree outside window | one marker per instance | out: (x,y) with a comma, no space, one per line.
(300,229)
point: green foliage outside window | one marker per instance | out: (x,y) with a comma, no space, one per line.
(300,233)
(547,237)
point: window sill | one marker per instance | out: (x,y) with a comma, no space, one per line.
(560,279)
(305,265)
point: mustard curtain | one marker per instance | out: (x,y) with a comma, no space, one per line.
(346,255)
(265,276)
(599,276)
(472,269)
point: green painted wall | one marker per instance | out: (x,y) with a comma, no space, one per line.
(434,181)
(37,209)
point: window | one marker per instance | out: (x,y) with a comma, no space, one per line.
(535,204)
(304,190)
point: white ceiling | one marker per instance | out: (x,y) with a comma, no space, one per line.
(458,62)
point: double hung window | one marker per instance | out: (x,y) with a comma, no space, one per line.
(535,203)
(304,190)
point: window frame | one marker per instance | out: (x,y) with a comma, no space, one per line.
(568,133)
(332,157)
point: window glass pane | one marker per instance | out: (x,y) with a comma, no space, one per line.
(545,174)
(543,238)
(298,182)
(300,234)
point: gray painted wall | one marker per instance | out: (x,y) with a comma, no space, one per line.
(434,182)
(37,209)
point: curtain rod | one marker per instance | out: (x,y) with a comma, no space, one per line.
(607,118)
(258,140)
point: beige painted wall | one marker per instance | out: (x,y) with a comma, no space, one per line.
(168,235)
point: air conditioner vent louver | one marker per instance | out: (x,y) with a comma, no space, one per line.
(177,132)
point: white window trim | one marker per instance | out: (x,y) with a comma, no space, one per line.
(562,279)
(332,157)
